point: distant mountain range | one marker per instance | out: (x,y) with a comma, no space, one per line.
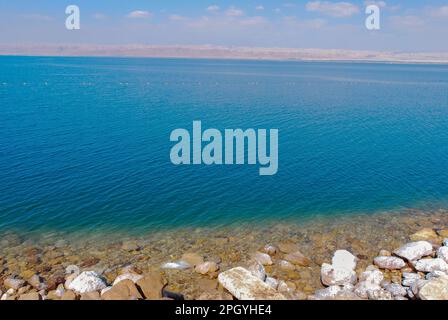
(222,52)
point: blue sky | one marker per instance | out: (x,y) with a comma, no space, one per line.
(406,25)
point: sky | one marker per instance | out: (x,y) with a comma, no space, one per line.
(406,25)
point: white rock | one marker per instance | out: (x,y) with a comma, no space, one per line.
(445,242)
(263,258)
(72,269)
(87,281)
(374,276)
(179,265)
(435,289)
(442,253)
(344,259)
(431,265)
(286,265)
(409,278)
(327,293)
(390,263)
(337,276)
(379,294)
(272,282)
(257,270)
(435,274)
(243,285)
(414,250)
(363,287)
(396,289)
(127,276)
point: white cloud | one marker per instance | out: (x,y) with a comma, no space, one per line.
(440,12)
(407,21)
(234,12)
(176,17)
(138,14)
(213,8)
(260,7)
(333,9)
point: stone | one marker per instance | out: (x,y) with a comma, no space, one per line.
(334,293)
(123,290)
(337,276)
(344,259)
(72,269)
(435,289)
(363,287)
(206,267)
(257,270)
(179,265)
(445,242)
(414,250)
(373,276)
(243,285)
(37,282)
(379,294)
(442,253)
(443,233)
(263,258)
(152,285)
(272,282)
(130,246)
(30,296)
(286,265)
(69,295)
(431,265)
(87,281)
(390,263)
(288,247)
(297,258)
(409,278)
(127,276)
(424,234)
(193,259)
(13,283)
(396,289)
(384,253)
(94,295)
(269,249)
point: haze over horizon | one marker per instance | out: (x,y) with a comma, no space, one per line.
(406,26)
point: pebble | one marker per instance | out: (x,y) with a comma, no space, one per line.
(13,283)
(390,263)
(263,258)
(87,281)
(206,267)
(297,258)
(286,265)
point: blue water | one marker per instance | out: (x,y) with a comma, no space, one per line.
(84,142)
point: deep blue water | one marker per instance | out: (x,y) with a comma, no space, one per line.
(84,142)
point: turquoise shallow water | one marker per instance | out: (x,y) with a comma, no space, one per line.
(84,142)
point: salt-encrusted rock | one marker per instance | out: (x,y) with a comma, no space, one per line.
(435,289)
(243,285)
(390,263)
(414,250)
(445,242)
(206,267)
(298,259)
(379,294)
(286,265)
(86,282)
(396,289)
(363,287)
(424,234)
(127,276)
(334,293)
(263,258)
(13,283)
(37,282)
(288,247)
(179,265)
(344,259)
(193,259)
(442,253)
(272,282)
(372,275)
(257,270)
(270,249)
(72,269)
(152,285)
(337,276)
(409,278)
(431,265)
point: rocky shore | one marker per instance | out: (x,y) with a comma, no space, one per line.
(380,257)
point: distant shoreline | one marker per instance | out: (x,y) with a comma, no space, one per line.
(224,53)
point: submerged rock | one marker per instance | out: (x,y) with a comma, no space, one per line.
(179,265)
(243,285)
(127,276)
(263,258)
(206,267)
(298,259)
(86,282)
(13,283)
(424,234)
(414,250)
